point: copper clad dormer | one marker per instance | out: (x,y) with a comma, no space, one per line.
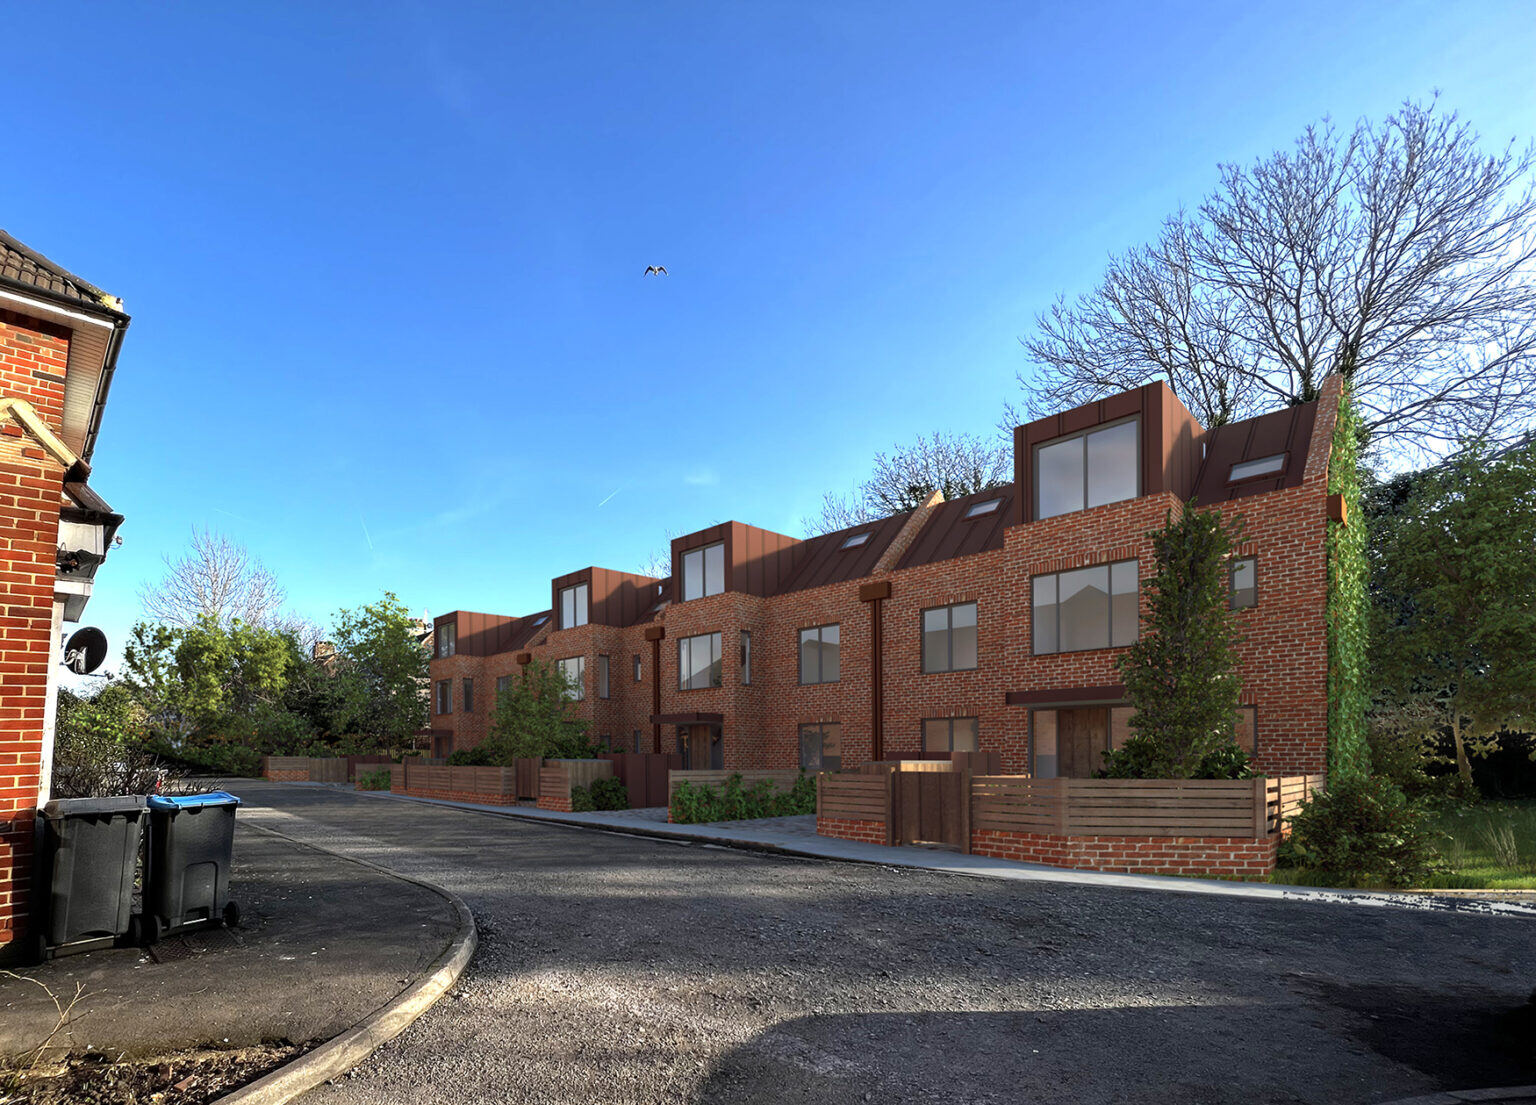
(732,557)
(600,596)
(1167,450)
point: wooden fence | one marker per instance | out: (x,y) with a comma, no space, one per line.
(644,775)
(856,796)
(317,769)
(978,763)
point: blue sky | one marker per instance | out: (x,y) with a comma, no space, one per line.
(384,261)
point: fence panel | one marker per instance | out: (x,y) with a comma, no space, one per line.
(1018,804)
(852,796)
(327,770)
(932,807)
(1162,807)
(1284,794)
(527,769)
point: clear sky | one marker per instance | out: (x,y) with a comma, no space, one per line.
(384,261)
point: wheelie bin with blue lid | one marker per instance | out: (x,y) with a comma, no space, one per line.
(186,866)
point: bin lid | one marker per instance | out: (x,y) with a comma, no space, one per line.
(92,807)
(192,801)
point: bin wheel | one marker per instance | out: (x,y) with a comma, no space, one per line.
(44,952)
(151,928)
(231,914)
(135,936)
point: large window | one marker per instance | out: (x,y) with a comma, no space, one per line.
(1099,466)
(602,677)
(949,638)
(469,696)
(447,639)
(573,606)
(746,656)
(575,671)
(704,571)
(445,696)
(821,747)
(1085,608)
(1245,583)
(819,654)
(698,662)
(949,734)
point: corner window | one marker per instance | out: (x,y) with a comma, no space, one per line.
(575,671)
(820,660)
(1085,608)
(854,540)
(1098,466)
(469,696)
(704,571)
(986,506)
(1245,583)
(950,734)
(1263,466)
(746,656)
(602,677)
(447,639)
(445,696)
(949,638)
(573,606)
(639,671)
(821,747)
(1245,729)
(698,662)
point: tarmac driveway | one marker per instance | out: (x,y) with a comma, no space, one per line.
(619,969)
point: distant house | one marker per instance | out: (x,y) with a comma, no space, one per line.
(990,622)
(59,343)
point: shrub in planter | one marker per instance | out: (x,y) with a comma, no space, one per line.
(731,801)
(373,780)
(603,794)
(1142,757)
(478,756)
(1362,830)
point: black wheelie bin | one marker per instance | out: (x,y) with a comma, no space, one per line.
(186,866)
(89,852)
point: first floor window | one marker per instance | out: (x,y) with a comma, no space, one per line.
(746,656)
(821,747)
(1245,583)
(638,669)
(1246,729)
(503,684)
(469,696)
(950,734)
(698,662)
(820,660)
(1085,608)
(949,638)
(445,696)
(575,671)
(602,677)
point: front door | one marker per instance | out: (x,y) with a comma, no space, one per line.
(1082,736)
(702,747)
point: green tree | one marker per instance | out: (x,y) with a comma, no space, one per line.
(533,717)
(1454,579)
(1181,674)
(381,668)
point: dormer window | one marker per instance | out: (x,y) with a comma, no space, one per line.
(1263,466)
(854,540)
(704,571)
(447,640)
(573,606)
(986,506)
(1088,469)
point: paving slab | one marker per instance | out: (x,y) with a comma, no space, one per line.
(322,943)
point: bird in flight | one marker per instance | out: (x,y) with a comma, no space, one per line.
(655,270)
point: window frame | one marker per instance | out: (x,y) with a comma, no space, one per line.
(604,673)
(1085,433)
(1232,565)
(1055,577)
(467,694)
(446,638)
(983,508)
(639,669)
(1279,470)
(444,700)
(855,540)
(503,685)
(820,653)
(716,662)
(580,682)
(702,552)
(586,605)
(821,727)
(746,657)
(1252,711)
(949,638)
(950,730)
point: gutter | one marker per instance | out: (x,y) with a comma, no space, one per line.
(104,385)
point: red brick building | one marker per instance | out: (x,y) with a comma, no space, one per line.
(991,621)
(59,341)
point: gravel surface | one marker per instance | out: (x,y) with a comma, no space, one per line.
(616,969)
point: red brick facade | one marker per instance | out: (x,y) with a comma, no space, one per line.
(1221,857)
(1283,655)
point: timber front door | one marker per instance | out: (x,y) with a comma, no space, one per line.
(1070,742)
(702,747)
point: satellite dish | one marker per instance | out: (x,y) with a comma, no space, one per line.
(85,650)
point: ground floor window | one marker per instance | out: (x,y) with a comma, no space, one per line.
(637,740)
(821,746)
(445,696)
(950,734)
(1070,742)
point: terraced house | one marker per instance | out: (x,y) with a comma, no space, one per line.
(991,621)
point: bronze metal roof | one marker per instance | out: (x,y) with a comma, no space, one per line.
(949,533)
(1287,431)
(824,560)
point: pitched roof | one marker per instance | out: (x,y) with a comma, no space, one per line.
(951,530)
(1281,436)
(829,558)
(25,268)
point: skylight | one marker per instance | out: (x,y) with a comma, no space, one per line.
(1263,466)
(854,540)
(986,506)
(541,619)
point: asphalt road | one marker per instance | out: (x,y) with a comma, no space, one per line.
(617,969)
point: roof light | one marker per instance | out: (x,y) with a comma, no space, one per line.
(853,540)
(987,506)
(1263,466)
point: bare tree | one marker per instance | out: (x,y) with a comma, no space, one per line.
(218,578)
(954,464)
(1397,254)
(658,565)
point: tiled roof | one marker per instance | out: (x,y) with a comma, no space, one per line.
(24,267)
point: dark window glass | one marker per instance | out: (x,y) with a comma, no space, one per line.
(447,639)
(1085,608)
(1246,729)
(698,662)
(503,684)
(821,747)
(820,654)
(746,656)
(638,669)
(949,638)
(704,571)
(575,671)
(1090,469)
(1245,583)
(469,696)
(602,677)
(950,734)
(573,606)
(445,696)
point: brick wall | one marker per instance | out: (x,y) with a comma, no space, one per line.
(866,832)
(33,356)
(1212,856)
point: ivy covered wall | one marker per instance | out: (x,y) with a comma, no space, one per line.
(1348,753)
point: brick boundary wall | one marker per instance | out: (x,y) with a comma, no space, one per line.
(286,776)
(1237,857)
(560,803)
(866,832)
(457,796)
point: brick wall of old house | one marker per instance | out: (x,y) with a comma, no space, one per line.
(33,358)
